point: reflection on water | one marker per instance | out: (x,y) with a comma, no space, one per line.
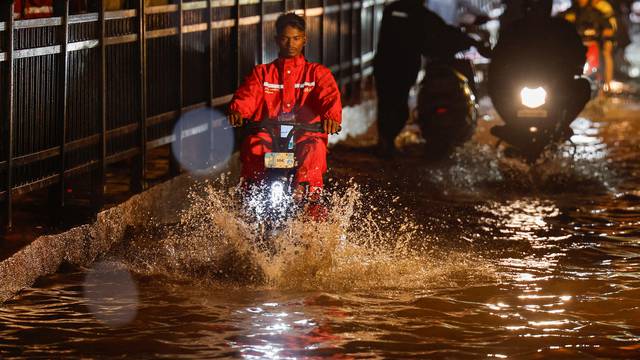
(520,219)
(508,262)
(111,294)
(274,333)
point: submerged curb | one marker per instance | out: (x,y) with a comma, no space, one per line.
(78,246)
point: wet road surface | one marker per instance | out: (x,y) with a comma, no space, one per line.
(479,256)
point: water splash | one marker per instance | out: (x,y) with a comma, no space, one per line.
(469,167)
(474,167)
(359,246)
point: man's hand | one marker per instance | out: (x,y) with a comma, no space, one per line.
(331,127)
(235,118)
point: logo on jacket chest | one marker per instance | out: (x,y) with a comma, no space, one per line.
(306,86)
(271,88)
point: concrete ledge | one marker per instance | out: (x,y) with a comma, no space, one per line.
(84,244)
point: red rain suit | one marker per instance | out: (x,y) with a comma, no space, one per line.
(288,85)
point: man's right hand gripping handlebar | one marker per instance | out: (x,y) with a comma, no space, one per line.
(235,118)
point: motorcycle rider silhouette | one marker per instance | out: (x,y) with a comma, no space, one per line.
(538,55)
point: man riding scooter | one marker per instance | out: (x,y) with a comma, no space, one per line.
(293,88)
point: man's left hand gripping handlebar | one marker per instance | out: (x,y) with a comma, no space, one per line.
(331,126)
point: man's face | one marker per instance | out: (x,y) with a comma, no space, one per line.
(291,41)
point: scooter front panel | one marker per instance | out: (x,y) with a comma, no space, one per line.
(279,160)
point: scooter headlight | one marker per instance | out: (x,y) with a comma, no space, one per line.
(277,192)
(533,98)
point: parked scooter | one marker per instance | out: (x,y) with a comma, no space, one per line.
(447,110)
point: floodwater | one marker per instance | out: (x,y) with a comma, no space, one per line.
(476,257)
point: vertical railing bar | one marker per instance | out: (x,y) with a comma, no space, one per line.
(8,139)
(210,92)
(63,98)
(139,171)
(181,94)
(177,154)
(26,112)
(210,53)
(323,40)
(32,78)
(340,54)
(304,14)
(237,39)
(352,56)
(361,51)
(261,33)
(102,108)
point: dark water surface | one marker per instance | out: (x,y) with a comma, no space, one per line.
(478,257)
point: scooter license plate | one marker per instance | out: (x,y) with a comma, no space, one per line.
(533,113)
(277,160)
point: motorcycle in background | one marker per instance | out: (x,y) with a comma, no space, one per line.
(447,110)
(537,112)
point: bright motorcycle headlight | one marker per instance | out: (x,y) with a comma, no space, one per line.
(533,98)
(277,192)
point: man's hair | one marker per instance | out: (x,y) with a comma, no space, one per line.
(290,19)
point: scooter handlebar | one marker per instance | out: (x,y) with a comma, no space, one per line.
(270,124)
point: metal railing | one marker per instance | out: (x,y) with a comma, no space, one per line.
(80,92)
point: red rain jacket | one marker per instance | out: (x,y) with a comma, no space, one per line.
(289,85)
